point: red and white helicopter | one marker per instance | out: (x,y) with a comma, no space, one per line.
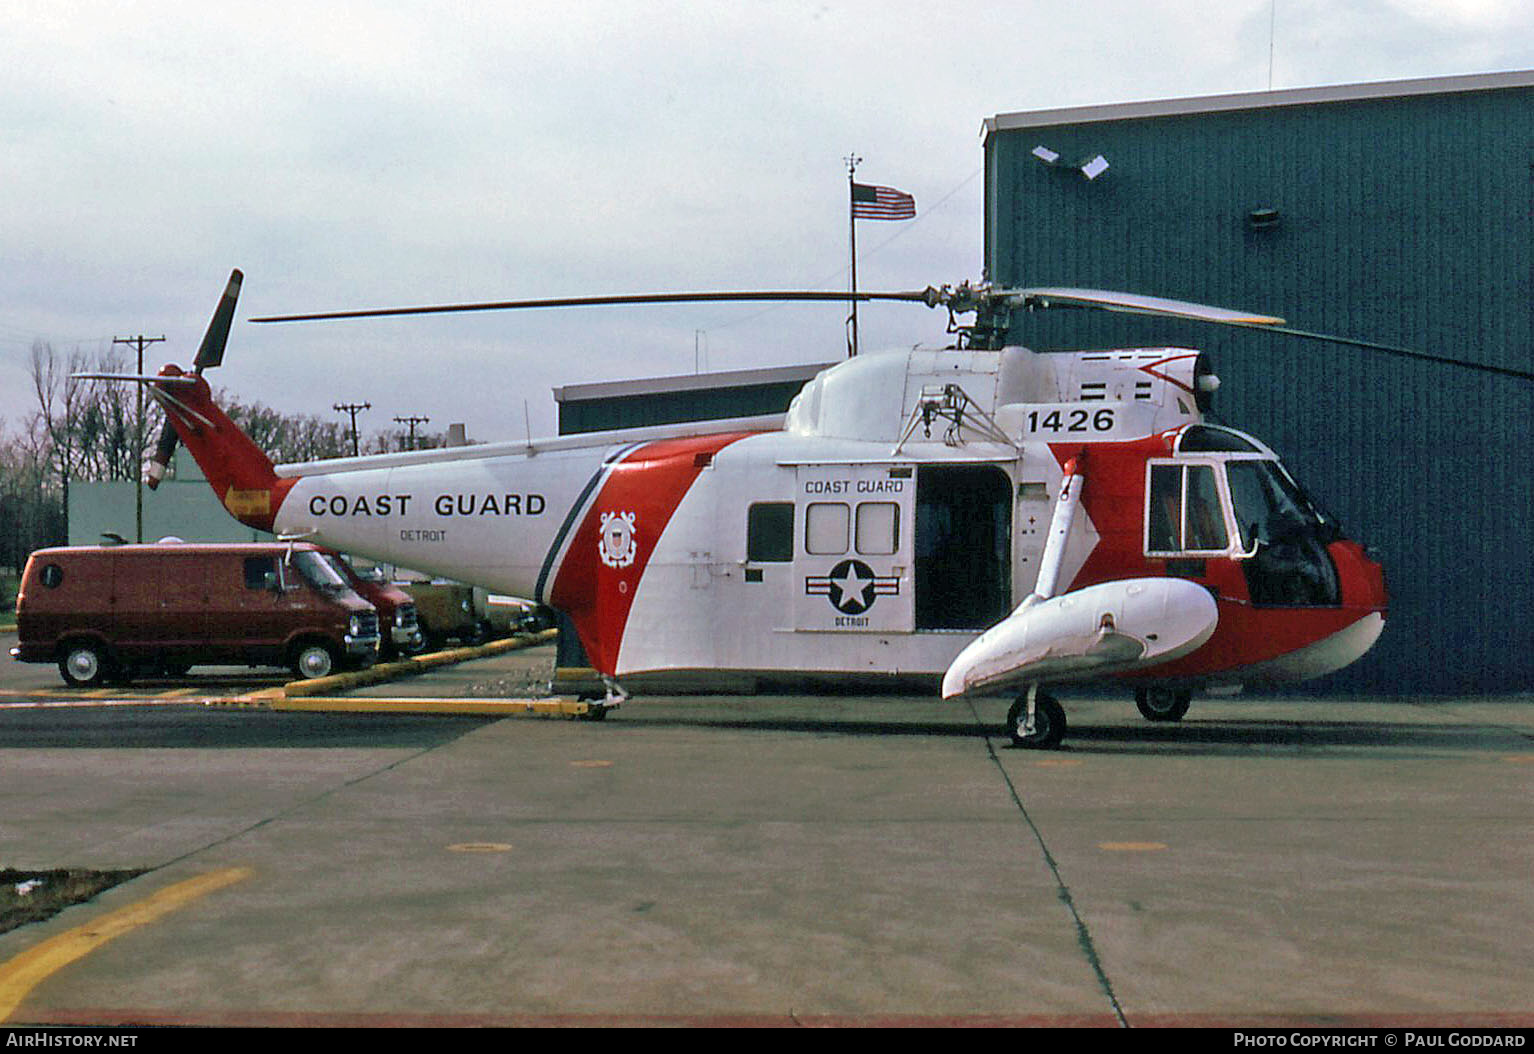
(998,518)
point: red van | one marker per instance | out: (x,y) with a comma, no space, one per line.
(105,612)
(399,629)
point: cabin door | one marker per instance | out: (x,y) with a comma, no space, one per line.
(852,548)
(963,547)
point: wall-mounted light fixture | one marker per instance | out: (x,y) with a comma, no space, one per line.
(1091,168)
(1263,219)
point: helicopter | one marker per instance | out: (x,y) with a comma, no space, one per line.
(993,519)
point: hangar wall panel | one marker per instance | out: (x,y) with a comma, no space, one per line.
(1405,219)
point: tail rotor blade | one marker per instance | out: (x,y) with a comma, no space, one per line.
(163,451)
(211,353)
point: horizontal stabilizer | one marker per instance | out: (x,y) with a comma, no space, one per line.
(1111,627)
(136,378)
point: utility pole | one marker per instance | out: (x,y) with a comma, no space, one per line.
(138,434)
(353,409)
(411,421)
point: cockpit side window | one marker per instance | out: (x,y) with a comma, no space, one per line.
(1165,512)
(1204,526)
(1184,512)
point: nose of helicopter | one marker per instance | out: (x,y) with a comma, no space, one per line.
(1362,582)
(1362,579)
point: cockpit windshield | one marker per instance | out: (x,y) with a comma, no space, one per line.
(1267,503)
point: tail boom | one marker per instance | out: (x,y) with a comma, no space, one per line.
(239,472)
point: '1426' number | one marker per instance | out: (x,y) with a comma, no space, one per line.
(1071,420)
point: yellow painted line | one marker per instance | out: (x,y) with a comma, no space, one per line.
(480,847)
(20,975)
(1057,763)
(591,764)
(1132,847)
(91,704)
(551,707)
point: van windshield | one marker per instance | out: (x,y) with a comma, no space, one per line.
(318,572)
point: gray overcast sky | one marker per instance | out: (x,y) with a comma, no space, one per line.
(372,154)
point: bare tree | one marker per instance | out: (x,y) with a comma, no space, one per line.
(287,437)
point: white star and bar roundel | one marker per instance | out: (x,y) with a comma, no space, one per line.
(852,587)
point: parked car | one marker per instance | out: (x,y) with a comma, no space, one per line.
(107,612)
(399,627)
(449,610)
(508,615)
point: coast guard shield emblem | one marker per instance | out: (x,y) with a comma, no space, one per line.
(617,547)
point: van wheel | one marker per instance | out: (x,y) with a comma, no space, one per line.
(431,640)
(84,665)
(314,660)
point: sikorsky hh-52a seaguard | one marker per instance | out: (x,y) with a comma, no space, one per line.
(997,518)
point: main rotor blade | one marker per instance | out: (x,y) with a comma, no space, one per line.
(807,296)
(1403,353)
(1148,305)
(1133,303)
(211,353)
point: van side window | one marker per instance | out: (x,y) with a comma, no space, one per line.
(257,568)
(770,532)
(52,576)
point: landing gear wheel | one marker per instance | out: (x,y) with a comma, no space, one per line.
(84,666)
(1048,723)
(314,660)
(1162,704)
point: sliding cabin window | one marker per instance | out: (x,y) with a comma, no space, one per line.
(770,532)
(1184,513)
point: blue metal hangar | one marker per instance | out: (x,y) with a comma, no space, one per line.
(1398,212)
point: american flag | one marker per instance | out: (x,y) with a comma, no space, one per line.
(881,203)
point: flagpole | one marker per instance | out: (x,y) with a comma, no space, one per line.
(852,241)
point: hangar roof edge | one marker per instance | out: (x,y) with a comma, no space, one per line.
(1255,100)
